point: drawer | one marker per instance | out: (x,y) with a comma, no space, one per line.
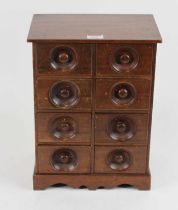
(64,59)
(121,129)
(120,159)
(64,94)
(56,160)
(64,128)
(123,60)
(113,94)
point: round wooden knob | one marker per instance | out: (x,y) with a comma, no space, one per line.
(64,159)
(123,93)
(121,127)
(64,93)
(63,57)
(119,159)
(63,128)
(125,59)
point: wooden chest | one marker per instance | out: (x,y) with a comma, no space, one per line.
(93,92)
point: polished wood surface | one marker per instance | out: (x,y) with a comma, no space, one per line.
(81,132)
(138,135)
(105,58)
(93,99)
(92,181)
(82,61)
(43,87)
(83,162)
(114,28)
(141,98)
(137,159)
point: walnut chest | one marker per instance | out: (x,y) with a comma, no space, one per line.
(93,92)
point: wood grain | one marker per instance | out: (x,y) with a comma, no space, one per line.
(43,87)
(75,28)
(106,52)
(93,181)
(45,154)
(83,129)
(104,99)
(102,121)
(137,165)
(86,53)
(83,60)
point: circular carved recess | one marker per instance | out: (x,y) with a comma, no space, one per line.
(63,128)
(119,159)
(64,94)
(121,128)
(64,159)
(123,93)
(124,58)
(63,58)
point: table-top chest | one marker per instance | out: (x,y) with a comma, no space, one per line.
(93,92)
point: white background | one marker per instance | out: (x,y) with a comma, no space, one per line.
(16,111)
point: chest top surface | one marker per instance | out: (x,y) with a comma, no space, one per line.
(94,28)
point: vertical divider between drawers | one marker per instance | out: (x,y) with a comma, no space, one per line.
(93,108)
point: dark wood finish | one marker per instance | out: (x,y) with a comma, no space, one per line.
(151,106)
(45,161)
(47,124)
(108,55)
(79,64)
(116,28)
(133,135)
(43,88)
(140,99)
(93,181)
(93,93)
(137,162)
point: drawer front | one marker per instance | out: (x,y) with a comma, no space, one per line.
(64,94)
(121,129)
(56,160)
(123,60)
(120,159)
(113,94)
(64,128)
(64,59)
